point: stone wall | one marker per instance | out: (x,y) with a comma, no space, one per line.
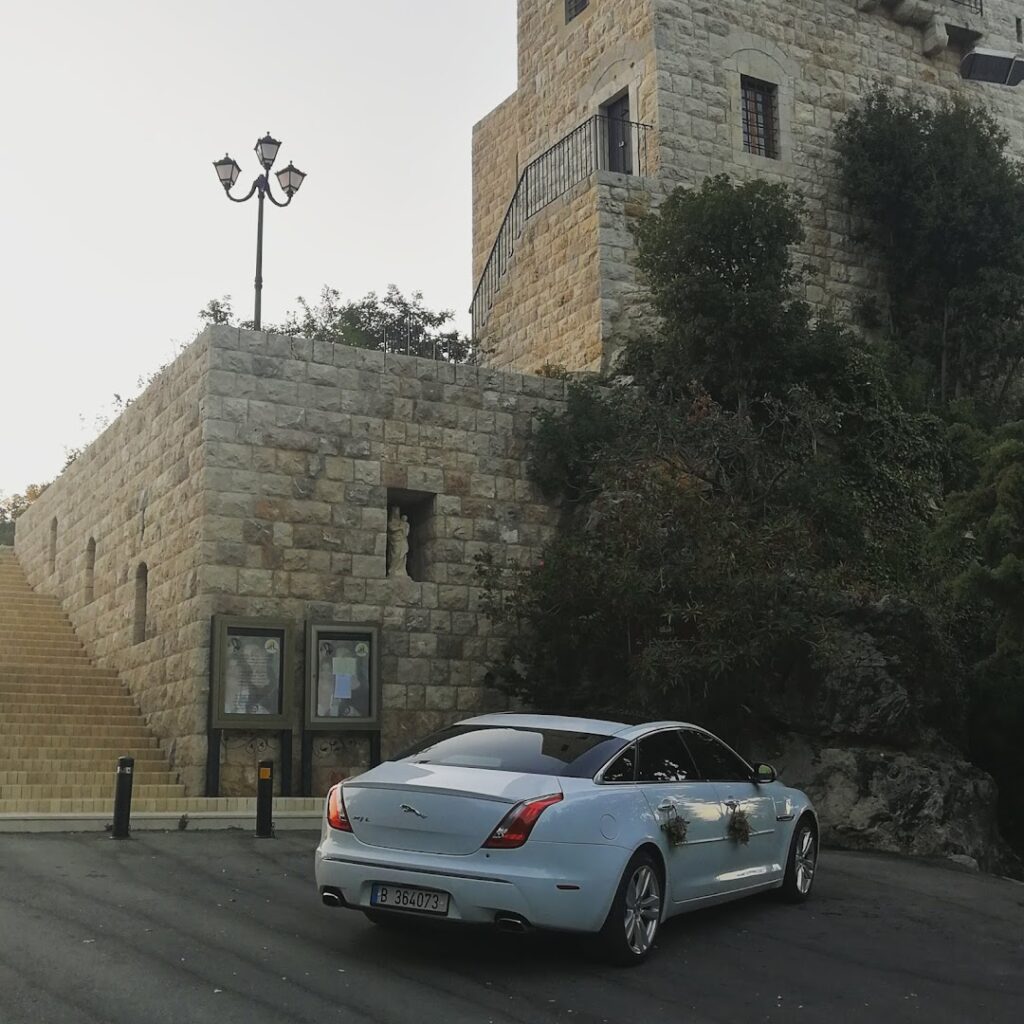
(825,56)
(681,62)
(253,478)
(312,443)
(547,310)
(495,173)
(567,71)
(136,492)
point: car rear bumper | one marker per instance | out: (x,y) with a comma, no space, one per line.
(546,885)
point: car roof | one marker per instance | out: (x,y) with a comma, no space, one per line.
(563,723)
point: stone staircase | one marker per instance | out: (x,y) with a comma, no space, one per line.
(64,722)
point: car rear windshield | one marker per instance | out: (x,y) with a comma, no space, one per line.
(521,749)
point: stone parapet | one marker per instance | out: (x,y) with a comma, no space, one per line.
(253,478)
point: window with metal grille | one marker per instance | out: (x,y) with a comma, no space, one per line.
(760,117)
(574,7)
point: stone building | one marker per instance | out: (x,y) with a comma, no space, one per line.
(254,478)
(620,101)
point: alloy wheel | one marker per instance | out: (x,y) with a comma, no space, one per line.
(643,909)
(806,860)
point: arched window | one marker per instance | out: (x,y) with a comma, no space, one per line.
(141,597)
(90,569)
(53,544)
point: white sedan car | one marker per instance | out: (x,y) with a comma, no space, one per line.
(534,821)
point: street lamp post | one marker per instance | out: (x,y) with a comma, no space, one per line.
(289,180)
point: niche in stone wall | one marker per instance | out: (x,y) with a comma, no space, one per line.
(141,603)
(90,570)
(415,521)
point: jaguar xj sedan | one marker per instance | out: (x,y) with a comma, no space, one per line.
(534,821)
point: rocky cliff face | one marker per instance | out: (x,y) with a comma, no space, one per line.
(921,803)
(874,738)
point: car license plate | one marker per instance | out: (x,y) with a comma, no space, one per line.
(401,897)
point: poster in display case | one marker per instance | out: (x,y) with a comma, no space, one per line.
(252,672)
(342,682)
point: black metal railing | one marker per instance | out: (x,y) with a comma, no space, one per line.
(974,5)
(599,143)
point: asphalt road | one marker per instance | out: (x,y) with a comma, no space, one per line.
(220,927)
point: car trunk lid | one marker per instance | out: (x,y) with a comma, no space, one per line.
(436,808)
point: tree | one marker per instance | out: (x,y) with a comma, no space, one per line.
(944,205)
(742,524)
(982,538)
(718,265)
(392,323)
(12,506)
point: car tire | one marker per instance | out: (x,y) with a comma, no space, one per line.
(802,862)
(632,924)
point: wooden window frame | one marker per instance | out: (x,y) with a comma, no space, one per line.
(760,113)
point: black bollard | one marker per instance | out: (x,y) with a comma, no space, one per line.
(265,800)
(123,797)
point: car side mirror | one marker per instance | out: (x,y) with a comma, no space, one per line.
(764,773)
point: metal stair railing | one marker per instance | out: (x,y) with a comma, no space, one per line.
(599,143)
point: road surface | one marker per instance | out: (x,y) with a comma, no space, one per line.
(219,927)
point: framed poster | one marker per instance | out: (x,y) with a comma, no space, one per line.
(252,673)
(342,682)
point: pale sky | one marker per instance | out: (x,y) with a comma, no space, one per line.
(114,231)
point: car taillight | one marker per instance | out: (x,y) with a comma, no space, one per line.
(337,817)
(516,826)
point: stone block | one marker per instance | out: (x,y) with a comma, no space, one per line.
(441,698)
(368,566)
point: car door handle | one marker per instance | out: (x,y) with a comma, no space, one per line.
(732,804)
(667,805)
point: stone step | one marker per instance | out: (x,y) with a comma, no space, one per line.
(25,608)
(121,733)
(22,700)
(55,714)
(11,670)
(70,687)
(102,791)
(13,595)
(61,632)
(80,694)
(44,640)
(81,691)
(22,660)
(10,645)
(28,605)
(64,721)
(36,627)
(59,683)
(87,760)
(92,775)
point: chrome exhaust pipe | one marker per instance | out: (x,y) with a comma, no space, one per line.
(332,898)
(512,923)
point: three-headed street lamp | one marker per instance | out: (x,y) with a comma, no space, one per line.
(289,179)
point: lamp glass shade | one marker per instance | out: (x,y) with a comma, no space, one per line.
(227,170)
(290,178)
(266,151)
